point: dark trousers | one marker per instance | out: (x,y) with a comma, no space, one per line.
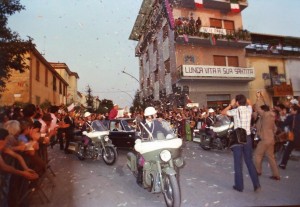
(240,153)
(69,137)
(287,153)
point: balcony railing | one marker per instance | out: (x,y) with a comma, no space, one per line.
(213,36)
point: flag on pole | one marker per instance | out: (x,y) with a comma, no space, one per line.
(199,4)
(235,8)
(212,39)
(186,38)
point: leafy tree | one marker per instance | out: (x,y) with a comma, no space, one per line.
(12,47)
(137,104)
(89,99)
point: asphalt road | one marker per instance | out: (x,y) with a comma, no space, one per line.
(205,180)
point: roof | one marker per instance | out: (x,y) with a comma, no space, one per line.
(142,17)
(259,38)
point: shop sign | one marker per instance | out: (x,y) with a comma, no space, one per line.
(283,90)
(217,71)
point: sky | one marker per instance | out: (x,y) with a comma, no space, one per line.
(92,37)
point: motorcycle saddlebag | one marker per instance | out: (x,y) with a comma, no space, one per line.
(131,161)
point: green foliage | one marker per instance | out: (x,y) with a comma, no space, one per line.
(12,47)
(138,105)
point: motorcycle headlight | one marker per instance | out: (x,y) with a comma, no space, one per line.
(165,155)
(106,138)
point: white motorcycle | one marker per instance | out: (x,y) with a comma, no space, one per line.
(159,157)
(100,145)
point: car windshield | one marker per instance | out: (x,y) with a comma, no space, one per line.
(98,126)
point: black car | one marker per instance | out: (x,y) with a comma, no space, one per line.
(123,132)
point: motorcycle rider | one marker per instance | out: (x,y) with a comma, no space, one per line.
(210,121)
(154,126)
(87,126)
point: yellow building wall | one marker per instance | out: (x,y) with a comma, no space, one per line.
(30,89)
(261,65)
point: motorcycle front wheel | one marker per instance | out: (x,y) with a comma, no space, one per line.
(172,192)
(204,144)
(109,155)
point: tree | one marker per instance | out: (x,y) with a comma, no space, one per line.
(89,99)
(12,47)
(137,104)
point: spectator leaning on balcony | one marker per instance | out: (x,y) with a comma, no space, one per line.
(241,110)
(266,129)
(198,24)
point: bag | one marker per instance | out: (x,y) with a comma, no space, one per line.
(238,137)
(290,136)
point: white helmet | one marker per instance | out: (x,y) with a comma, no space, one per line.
(86,114)
(150,111)
(211,110)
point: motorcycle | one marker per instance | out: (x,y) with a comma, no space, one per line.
(100,145)
(160,159)
(222,130)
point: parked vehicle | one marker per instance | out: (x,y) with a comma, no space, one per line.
(220,140)
(160,159)
(99,145)
(123,132)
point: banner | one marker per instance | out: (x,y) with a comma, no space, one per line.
(217,71)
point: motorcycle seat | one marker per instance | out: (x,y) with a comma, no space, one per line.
(145,147)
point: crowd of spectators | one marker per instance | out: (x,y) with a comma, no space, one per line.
(27,133)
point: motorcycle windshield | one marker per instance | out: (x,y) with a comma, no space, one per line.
(98,126)
(162,130)
(222,120)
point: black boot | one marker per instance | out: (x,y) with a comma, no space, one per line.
(139,178)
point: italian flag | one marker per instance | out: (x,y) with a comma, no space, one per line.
(235,7)
(199,4)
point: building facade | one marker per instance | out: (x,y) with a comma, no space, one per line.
(276,60)
(191,53)
(38,84)
(71,78)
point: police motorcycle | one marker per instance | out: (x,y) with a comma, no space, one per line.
(222,130)
(98,145)
(159,159)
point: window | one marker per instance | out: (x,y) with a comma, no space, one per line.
(273,70)
(219,60)
(156,75)
(148,82)
(46,77)
(54,83)
(233,61)
(37,77)
(229,26)
(155,46)
(147,55)
(167,66)
(60,87)
(38,100)
(165,31)
(217,23)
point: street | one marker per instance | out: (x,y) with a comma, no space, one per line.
(205,180)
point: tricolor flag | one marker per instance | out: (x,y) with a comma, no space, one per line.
(199,4)
(186,38)
(235,7)
(212,39)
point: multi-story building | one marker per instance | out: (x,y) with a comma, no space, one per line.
(36,85)
(71,78)
(276,60)
(195,50)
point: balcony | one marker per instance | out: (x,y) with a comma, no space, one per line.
(223,5)
(208,36)
(212,72)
